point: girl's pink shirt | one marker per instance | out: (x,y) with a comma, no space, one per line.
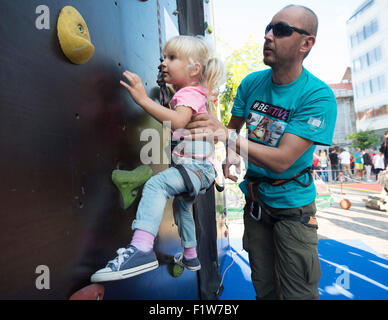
(194,98)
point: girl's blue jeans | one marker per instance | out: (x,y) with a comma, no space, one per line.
(165,185)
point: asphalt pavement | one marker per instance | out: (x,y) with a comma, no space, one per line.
(366,225)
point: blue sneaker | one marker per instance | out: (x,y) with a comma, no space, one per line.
(129,262)
(189,264)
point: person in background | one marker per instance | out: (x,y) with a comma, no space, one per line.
(333,161)
(367,164)
(345,159)
(323,164)
(315,163)
(384,148)
(351,163)
(378,162)
(372,156)
(359,166)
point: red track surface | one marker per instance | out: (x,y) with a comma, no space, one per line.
(370,187)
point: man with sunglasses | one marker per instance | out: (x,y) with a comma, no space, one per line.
(280,232)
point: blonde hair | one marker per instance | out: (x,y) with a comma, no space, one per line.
(195,50)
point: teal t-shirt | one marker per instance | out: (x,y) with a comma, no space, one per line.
(306,108)
(358,157)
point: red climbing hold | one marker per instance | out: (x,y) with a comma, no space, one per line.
(91,292)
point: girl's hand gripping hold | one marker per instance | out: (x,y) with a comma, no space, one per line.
(135,87)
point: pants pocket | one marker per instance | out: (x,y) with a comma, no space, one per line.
(313,270)
(297,259)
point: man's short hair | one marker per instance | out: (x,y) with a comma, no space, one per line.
(309,21)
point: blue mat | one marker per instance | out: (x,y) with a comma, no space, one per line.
(350,271)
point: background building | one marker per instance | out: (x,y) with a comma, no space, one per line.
(368,38)
(346,116)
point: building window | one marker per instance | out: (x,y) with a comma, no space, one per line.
(367,60)
(378,54)
(353,41)
(357,91)
(374,85)
(371,86)
(364,33)
(374,56)
(366,88)
(364,61)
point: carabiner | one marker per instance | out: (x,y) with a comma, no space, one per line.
(258,218)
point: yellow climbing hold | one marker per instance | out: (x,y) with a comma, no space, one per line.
(74,37)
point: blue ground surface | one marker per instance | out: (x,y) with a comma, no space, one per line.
(350,271)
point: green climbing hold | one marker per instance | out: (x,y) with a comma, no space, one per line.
(129,183)
(177,270)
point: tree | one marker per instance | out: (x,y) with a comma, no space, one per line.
(239,64)
(363,139)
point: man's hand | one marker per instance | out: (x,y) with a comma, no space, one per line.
(232,158)
(207,127)
(135,87)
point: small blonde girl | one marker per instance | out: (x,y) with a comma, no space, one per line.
(196,75)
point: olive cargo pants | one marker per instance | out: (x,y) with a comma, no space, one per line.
(283,255)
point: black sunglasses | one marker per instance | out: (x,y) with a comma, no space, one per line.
(282,29)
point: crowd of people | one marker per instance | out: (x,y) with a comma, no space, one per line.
(360,165)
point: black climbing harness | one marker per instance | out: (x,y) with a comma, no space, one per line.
(279,182)
(259,210)
(191,194)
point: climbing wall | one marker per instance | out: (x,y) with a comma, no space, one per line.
(63,129)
